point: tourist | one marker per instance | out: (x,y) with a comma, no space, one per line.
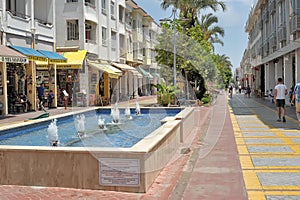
(41,91)
(279,98)
(248,91)
(296,99)
(50,99)
(66,97)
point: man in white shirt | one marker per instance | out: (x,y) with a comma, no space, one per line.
(279,97)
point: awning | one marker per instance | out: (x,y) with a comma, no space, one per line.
(53,57)
(74,60)
(153,73)
(30,53)
(123,66)
(41,65)
(145,73)
(110,70)
(11,56)
(126,67)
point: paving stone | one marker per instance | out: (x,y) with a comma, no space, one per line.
(257,134)
(291,134)
(263,140)
(283,197)
(276,162)
(254,129)
(279,178)
(269,149)
(296,140)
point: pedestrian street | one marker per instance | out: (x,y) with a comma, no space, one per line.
(269,151)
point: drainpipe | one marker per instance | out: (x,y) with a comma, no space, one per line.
(32,25)
(4,20)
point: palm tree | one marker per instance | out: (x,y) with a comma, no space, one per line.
(191,8)
(211,32)
(224,65)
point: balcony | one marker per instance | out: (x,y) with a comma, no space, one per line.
(282,33)
(265,16)
(266,48)
(273,40)
(294,23)
(272,6)
(18,23)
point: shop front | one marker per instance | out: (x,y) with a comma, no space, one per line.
(12,66)
(105,83)
(128,83)
(70,77)
(43,71)
(25,80)
(146,83)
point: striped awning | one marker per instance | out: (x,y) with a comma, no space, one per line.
(110,70)
(129,68)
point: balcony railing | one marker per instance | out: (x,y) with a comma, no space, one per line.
(17,14)
(266,48)
(273,40)
(295,23)
(281,33)
(272,6)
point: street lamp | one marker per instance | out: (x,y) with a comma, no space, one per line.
(174,43)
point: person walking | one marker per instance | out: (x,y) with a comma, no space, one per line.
(248,91)
(41,91)
(279,98)
(296,100)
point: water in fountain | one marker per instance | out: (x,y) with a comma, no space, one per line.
(53,133)
(137,108)
(80,125)
(115,114)
(101,123)
(127,113)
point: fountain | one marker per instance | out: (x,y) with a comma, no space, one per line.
(127,113)
(115,114)
(101,123)
(137,108)
(53,133)
(80,125)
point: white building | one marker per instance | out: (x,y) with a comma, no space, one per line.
(274,43)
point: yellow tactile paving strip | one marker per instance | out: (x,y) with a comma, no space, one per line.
(254,187)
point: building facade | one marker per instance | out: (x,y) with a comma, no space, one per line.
(274,44)
(93,49)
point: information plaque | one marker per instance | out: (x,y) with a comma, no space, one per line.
(119,172)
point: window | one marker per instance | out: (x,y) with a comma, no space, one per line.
(90,3)
(103,7)
(104,36)
(121,14)
(112,9)
(134,24)
(69,1)
(113,41)
(72,30)
(88,32)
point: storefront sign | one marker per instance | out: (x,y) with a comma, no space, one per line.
(54,61)
(68,66)
(36,58)
(119,172)
(13,59)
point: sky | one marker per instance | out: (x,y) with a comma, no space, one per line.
(232,20)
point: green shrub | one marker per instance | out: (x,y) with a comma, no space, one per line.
(206,99)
